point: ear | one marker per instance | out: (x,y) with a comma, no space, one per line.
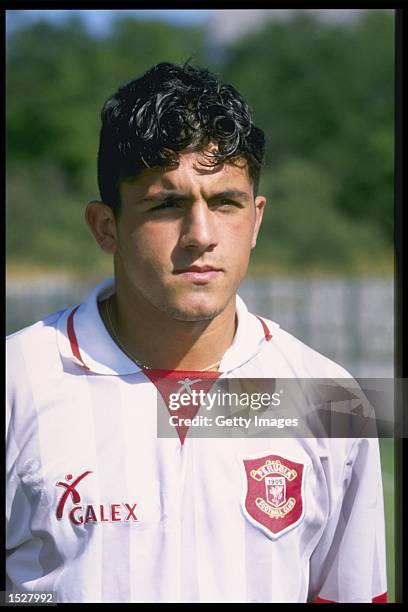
(101,222)
(260,203)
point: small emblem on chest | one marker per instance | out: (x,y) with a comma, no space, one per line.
(273,500)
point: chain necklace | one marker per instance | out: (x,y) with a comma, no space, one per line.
(141,365)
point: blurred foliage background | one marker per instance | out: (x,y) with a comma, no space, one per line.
(323,92)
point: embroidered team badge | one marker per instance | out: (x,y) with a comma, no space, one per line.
(274,494)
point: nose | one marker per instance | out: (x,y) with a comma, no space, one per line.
(198,231)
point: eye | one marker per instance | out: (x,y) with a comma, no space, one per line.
(226,204)
(166,205)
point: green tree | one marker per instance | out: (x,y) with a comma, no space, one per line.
(324,93)
(302,227)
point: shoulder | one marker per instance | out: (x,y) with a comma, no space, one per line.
(36,330)
(34,344)
(33,366)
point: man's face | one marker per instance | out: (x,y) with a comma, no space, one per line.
(184,236)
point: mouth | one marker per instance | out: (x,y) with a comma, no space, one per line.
(199,274)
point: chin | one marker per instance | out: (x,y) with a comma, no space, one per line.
(193,314)
(198,311)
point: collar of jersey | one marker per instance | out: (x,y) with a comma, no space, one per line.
(84,339)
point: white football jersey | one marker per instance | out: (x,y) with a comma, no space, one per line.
(100,509)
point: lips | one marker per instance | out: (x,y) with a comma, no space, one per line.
(198,269)
(199,274)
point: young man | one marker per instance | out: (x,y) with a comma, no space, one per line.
(101,509)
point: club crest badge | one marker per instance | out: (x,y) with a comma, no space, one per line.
(273,498)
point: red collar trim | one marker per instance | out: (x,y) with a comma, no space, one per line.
(158,373)
(73,339)
(268,335)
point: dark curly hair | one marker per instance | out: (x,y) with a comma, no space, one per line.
(173,108)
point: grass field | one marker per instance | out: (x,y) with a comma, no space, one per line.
(387,464)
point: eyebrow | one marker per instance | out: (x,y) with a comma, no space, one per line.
(231,193)
(166,194)
(175,195)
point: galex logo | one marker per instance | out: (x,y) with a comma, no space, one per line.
(95,513)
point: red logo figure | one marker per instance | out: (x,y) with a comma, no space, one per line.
(69,490)
(92,513)
(273,498)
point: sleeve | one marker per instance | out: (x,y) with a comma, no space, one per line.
(17,506)
(12,454)
(349,563)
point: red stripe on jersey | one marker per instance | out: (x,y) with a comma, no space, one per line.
(73,339)
(379,599)
(320,600)
(268,335)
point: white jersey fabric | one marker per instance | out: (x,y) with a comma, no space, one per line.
(99,509)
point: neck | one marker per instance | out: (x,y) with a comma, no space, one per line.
(159,341)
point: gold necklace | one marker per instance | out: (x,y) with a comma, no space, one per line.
(141,365)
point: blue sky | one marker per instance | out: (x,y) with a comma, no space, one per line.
(223,25)
(98,20)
